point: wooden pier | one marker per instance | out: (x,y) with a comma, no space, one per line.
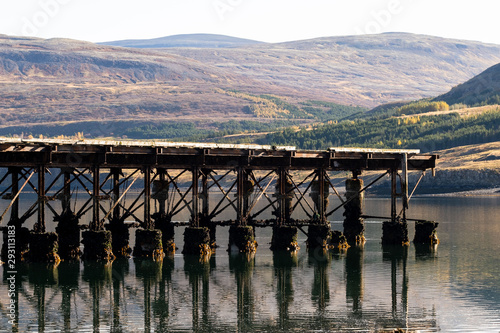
(182,176)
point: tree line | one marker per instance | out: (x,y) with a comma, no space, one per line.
(427,133)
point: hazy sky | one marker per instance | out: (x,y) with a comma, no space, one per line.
(265,20)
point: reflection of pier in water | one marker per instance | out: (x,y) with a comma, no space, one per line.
(284,293)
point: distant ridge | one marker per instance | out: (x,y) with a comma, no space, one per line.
(482,89)
(185,40)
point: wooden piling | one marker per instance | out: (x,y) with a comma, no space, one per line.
(425,232)
(40,224)
(354,227)
(395,233)
(14,226)
(197,241)
(284,238)
(320,191)
(97,245)
(97,242)
(67,227)
(162,221)
(243,191)
(44,247)
(242,239)
(120,234)
(318,236)
(205,219)
(284,193)
(148,243)
(68,232)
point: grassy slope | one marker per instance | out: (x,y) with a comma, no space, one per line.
(471,157)
(463,112)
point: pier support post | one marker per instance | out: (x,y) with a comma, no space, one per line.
(396,231)
(148,244)
(67,228)
(197,241)
(205,219)
(43,246)
(242,239)
(241,236)
(319,234)
(354,227)
(97,241)
(338,240)
(120,233)
(195,210)
(425,233)
(40,224)
(163,221)
(284,238)
(320,191)
(97,245)
(244,190)
(285,193)
(14,226)
(148,241)
(196,238)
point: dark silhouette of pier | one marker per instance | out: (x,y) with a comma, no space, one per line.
(172,177)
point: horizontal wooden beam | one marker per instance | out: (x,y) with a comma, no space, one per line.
(132,154)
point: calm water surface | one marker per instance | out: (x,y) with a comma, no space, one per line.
(453,288)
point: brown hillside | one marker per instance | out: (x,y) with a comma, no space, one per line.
(65,80)
(59,80)
(363,70)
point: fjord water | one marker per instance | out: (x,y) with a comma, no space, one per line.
(452,288)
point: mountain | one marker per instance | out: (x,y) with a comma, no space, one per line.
(47,81)
(185,40)
(482,89)
(76,61)
(365,70)
(61,83)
